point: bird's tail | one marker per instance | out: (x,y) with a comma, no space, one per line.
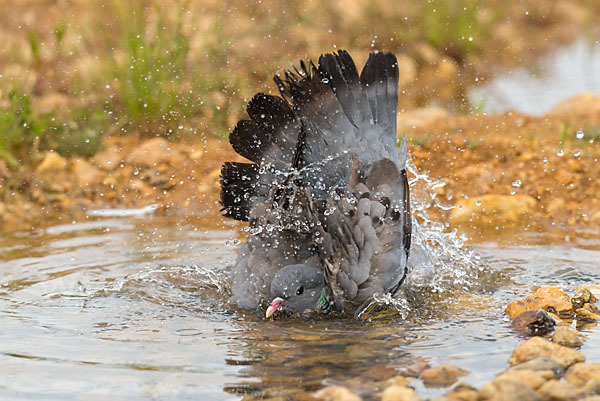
(327,117)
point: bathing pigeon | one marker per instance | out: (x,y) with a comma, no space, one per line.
(325,193)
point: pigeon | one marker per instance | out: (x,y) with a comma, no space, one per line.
(325,192)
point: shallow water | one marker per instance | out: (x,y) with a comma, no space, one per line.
(136,308)
(569,71)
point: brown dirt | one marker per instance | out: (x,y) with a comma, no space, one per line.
(475,155)
(479,155)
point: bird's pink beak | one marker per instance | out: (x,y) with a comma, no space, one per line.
(275,305)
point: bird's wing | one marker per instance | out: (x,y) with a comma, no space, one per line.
(367,235)
(269,139)
(328,116)
(345,116)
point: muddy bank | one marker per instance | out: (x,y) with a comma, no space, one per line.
(129,173)
(515,171)
(503,173)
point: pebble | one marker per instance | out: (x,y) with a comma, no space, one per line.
(397,392)
(463,392)
(52,163)
(109,159)
(551,299)
(536,322)
(537,347)
(153,152)
(442,375)
(586,314)
(86,174)
(557,391)
(533,378)
(557,206)
(336,393)
(507,390)
(582,103)
(53,173)
(567,337)
(581,373)
(582,296)
(541,364)
(493,209)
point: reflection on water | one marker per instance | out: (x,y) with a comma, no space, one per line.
(570,71)
(130,308)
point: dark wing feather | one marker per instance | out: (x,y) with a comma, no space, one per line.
(240,189)
(269,139)
(343,78)
(379,79)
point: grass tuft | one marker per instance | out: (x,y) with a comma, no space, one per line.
(156,85)
(24,132)
(20,127)
(562,135)
(454,27)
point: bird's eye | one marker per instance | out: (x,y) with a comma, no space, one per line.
(299,291)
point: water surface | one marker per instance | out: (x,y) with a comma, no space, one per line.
(569,71)
(136,308)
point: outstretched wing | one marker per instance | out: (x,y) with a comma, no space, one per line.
(269,139)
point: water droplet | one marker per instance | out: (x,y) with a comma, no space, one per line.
(580,134)
(560,153)
(517,184)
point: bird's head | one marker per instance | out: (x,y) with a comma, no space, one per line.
(296,288)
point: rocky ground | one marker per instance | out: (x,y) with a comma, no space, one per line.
(547,366)
(512,172)
(503,173)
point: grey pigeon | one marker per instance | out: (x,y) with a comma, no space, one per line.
(326,194)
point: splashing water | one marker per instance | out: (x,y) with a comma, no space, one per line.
(146,300)
(439,262)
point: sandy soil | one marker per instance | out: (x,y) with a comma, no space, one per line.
(509,161)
